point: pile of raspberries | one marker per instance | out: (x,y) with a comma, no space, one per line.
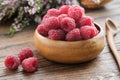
(68,23)
(25,57)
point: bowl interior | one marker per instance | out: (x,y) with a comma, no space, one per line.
(101,33)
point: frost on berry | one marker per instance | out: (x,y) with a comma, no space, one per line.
(60,17)
(12,62)
(41,30)
(64,9)
(67,24)
(44,18)
(53,12)
(30,64)
(57,34)
(88,32)
(76,12)
(85,20)
(25,53)
(51,23)
(73,35)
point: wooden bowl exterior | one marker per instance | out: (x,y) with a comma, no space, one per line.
(70,52)
(93,5)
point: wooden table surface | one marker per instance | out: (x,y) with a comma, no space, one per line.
(103,67)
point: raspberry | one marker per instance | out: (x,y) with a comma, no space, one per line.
(12,62)
(25,53)
(88,32)
(76,12)
(30,64)
(53,12)
(45,17)
(85,20)
(60,17)
(41,30)
(73,35)
(51,23)
(67,24)
(64,9)
(56,34)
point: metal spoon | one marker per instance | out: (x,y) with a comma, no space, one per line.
(111,31)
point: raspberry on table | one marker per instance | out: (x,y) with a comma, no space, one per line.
(73,35)
(64,9)
(88,32)
(67,24)
(85,20)
(76,12)
(56,34)
(51,23)
(12,62)
(53,12)
(41,30)
(30,64)
(60,17)
(25,53)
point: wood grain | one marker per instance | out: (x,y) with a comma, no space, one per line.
(103,67)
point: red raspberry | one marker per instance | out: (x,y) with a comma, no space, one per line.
(56,34)
(85,20)
(64,9)
(67,24)
(76,12)
(45,17)
(12,62)
(73,35)
(30,64)
(88,32)
(60,17)
(41,30)
(53,12)
(25,53)
(51,23)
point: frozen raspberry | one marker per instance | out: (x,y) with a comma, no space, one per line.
(64,9)
(60,17)
(88,32)
(41,30)
(67,24)
(51,23)
(45,17)
(56,34)
(12,62)
(85,20)
(76,12)
(30,64)
(25,53)
(73,35)
(53,12)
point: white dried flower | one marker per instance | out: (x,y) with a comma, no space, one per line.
(26,9)
(17,27)
(33,10)
(31,2)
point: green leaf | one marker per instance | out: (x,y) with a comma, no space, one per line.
(10,32)
(38,2)
(10,15)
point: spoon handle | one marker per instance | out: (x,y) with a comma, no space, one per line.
(112,47)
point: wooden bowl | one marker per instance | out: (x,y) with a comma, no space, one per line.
(70,52)
(93,4)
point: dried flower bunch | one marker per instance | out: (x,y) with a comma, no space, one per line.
(24,12)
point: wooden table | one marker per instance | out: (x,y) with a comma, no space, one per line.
(103,67)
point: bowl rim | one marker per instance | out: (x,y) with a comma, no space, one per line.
(100,34)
